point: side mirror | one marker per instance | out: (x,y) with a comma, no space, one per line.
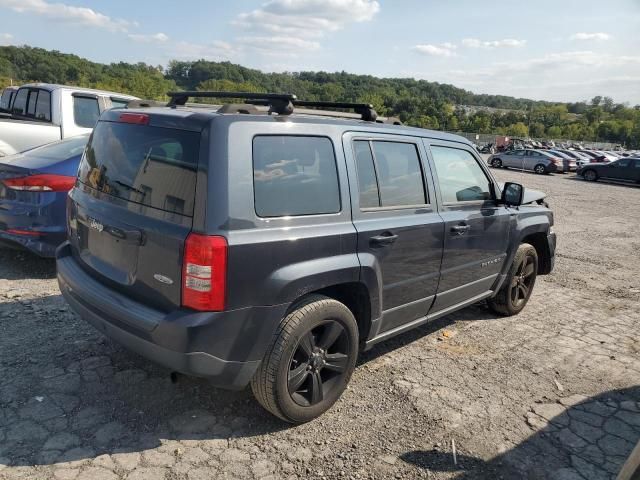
(512,194)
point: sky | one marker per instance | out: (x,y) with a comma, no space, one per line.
(557,50)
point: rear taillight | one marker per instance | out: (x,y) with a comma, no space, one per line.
(41,183)
(204,272)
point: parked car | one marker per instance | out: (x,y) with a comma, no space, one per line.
(568,162)
(270,245)
(33,193)
(580,158)
(626,169)
(596,157)
(42,113)
(538,161)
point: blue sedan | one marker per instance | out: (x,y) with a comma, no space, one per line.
(33,192)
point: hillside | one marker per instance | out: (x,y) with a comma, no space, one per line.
(416,102)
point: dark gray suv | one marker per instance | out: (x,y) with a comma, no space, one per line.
(269,242)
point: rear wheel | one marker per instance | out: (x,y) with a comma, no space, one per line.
(590,175)
(310,361)
(496,163)
(540,169)
(518,286)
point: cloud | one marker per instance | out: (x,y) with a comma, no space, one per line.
(560,76)
(590,36)
(307,18)
(279,45)
(442,50)
(69,14)
(295,26)
(6,39)
(507,42)
(150,38)
(215,51)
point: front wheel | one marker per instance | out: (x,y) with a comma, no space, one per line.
(309,362)
(518,286)
(590,175)
(540,169)
(496,163)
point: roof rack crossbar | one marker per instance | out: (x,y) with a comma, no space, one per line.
(365,110)
(284,103)
(280,103)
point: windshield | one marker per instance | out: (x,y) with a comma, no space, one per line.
(152,166)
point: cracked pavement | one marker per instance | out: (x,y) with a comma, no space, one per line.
(550,394)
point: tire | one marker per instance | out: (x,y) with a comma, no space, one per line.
(540,169)
(590,175)
(518,286)
(302,353)
(496,163)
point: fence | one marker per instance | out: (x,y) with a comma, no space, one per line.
(485,138)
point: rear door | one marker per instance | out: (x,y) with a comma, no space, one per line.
(516,158)
(400,234)
(133,206)
(476,229)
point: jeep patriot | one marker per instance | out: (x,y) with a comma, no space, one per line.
(267,243)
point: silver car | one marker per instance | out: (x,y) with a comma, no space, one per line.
(538,161)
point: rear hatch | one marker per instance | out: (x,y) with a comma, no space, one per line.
(132,208)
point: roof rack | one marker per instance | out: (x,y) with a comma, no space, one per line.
(283,104)
(280,103)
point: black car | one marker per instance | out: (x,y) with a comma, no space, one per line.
(269,242)
(626,169)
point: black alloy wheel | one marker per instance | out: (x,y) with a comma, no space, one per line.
(319,363)
(522,281)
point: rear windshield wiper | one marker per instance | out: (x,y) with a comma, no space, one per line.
(129,187)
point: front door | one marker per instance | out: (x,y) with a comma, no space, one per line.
(476,229)
(621,169)
(400,233)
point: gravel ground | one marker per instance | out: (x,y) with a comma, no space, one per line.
(552,393)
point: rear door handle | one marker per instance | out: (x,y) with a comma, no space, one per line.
(386,238)
(460,229)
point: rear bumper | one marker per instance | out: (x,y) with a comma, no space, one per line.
(40,216)
(43,245)
(224,347)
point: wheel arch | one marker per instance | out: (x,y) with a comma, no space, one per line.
(354,295)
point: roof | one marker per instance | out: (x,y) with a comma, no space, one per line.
(52,86)
(210,111)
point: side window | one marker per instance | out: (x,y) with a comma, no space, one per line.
(20,103)
(5,101)
(31,104)
(399,174)
(43,106)
(460,177)
(85,111)
(367,183)
(294,175)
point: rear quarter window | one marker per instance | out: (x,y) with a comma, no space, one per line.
(294,175)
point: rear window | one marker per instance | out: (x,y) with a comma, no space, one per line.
(294,175)
(85,111)
(152,166)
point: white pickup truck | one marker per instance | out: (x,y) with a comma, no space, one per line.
(42,113)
